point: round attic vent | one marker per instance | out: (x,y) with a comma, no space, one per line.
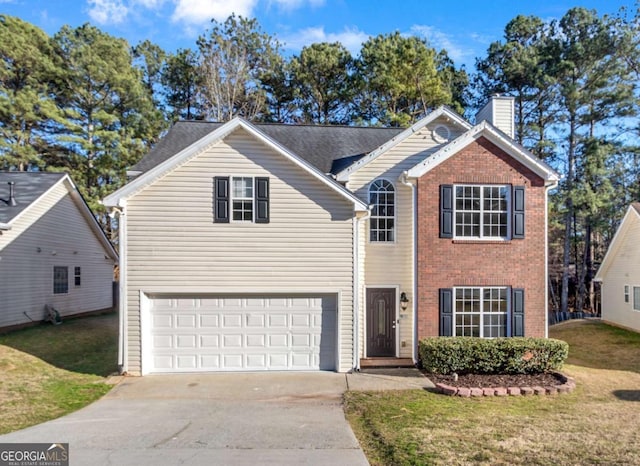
(441,133)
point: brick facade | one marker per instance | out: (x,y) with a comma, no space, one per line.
(445,263)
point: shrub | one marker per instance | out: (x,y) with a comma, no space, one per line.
(464,355)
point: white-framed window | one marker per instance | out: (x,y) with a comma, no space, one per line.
(636,298)
(626,293)
(77,276)
(382,198)
(60,280)
(242,198)
(481,211)
(480,312)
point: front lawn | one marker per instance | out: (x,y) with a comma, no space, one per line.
(595,424)
(49,371)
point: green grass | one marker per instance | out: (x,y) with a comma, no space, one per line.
(592,425)
(86,345)
(49,371)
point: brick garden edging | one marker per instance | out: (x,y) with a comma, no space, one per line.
(567,385)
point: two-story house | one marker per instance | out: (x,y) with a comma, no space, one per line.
(290,247)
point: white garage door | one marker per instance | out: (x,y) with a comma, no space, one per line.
(242,333)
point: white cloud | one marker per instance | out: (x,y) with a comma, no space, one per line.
(107,11)
(198,12)
(351,38)
(440,40)
(149,4)
(290,5)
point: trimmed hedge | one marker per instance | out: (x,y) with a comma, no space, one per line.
(466,355)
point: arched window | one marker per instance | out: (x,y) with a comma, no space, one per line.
(382,196)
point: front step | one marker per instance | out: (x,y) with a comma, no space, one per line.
(366,363)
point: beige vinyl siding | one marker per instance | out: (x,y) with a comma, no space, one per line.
(391,264)
(500,113)
(623,270)
(52,232)
(174,245)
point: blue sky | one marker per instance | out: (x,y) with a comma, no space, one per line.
(464,28)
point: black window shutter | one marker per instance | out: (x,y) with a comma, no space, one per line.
(262,200)
(446,312)
(221,199)
(517,312)
(518,212)
(446,211)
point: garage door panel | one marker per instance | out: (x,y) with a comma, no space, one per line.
(186,321)
(278,340)
(232,341)
(186,341)
(210,362)
(162,341)
(209,321)
(209,341)
(187,361)
(278,320)
(233,361)
(255,321)
(256,341)
(232,320)
(191,334)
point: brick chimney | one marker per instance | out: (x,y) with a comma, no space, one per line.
(499,111)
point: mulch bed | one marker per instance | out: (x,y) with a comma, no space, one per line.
(497,380)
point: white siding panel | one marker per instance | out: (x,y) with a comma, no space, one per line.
(174,246)
(624,270)
(51,233)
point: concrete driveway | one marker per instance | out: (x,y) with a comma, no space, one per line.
(217,419)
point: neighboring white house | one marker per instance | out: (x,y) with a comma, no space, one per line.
(620,273)
(52,250)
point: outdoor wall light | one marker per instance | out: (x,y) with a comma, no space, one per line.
(404,301)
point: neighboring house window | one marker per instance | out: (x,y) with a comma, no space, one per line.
(77,276)
(482,211)
(626,293)
(60,280)
(241,199)
(636,298)
(485,312)
(382,197)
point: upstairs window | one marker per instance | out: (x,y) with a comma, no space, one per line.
(241,199)
(382,198)
(482,211)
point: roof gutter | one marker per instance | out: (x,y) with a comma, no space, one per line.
(5,226)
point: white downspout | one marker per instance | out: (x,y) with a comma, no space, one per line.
(548,188)
(414,263)
(356,289)
(123,343)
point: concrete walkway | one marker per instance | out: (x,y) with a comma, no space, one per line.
(218,419)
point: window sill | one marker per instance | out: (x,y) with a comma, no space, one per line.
(481,241)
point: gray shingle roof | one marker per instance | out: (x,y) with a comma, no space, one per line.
(328,148)
(28,187)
